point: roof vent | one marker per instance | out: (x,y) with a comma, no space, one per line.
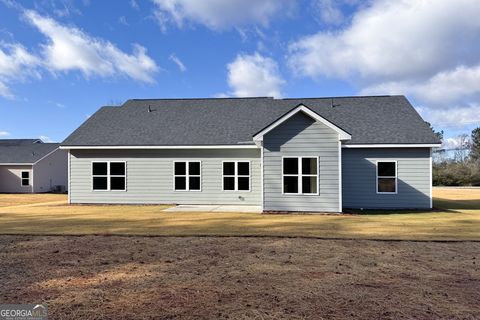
(149,108)
(334,105)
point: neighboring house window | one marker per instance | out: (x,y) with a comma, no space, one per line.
(25,178)
(300,175)
(109,176)
(187,176)
(386,177)
(236,176)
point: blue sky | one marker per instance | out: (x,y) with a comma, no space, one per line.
(61,60)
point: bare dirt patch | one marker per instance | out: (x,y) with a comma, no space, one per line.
(111,277)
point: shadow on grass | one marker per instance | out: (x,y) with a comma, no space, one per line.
(447,204)
(381,212)
(440,205)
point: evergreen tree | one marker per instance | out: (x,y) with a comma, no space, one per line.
(439,134)
(475,145)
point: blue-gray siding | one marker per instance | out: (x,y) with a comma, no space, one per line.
(301,136)
(359,174)
(150,177)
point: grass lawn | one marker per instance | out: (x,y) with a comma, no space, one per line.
(457,217)
(7,200)
(137,277)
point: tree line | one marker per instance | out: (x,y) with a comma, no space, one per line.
(462,168)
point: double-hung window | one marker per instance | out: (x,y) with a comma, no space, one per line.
(25,178)
(187,175)
(386,177)
(300,175)
(109,176)
(236,176)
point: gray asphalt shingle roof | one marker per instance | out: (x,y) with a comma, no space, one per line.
(233,121)
(24,151)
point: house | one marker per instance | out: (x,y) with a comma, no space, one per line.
(316,155)
(30,166)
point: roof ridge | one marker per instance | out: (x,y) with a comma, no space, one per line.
(261,97)
(214,98)
(343,97)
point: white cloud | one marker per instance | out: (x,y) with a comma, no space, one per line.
(444,88)
(123,20)
(456,117)
(134,4)
(426,49)
(5,91)
(69,49)
(254,75)
(394,40)
(219,14)
(456,142)
(178,62)
(45,139)
(16,64)
(4,133)
(329,11)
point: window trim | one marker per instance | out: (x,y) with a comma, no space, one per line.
(21,179)
(236,176)
(377,176)
(108,175)
(187,175)
(299,175)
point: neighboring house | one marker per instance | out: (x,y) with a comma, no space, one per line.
(30,166)
(281,154)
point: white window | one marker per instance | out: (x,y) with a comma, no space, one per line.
(25,178)
(187,176)
(386,177)
(109,176)
(236,176)
(300,175)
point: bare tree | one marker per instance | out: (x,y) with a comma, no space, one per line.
(461,153)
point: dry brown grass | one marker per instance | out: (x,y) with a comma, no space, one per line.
(27,199)
(98,277)
(458,218)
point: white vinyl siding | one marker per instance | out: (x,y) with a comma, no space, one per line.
(150,177)
(11,179)
(359,169)
(301,136)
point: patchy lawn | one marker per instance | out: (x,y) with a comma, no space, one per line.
(137,277)
(113,277)
(457,218)
(7,199)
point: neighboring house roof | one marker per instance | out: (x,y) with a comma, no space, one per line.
(24,151)
(234,121)
(18,142)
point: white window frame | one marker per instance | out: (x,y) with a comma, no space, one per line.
(22,178)
(235,176)
(108,176)
(187,175)
(389,177)
(300,174)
